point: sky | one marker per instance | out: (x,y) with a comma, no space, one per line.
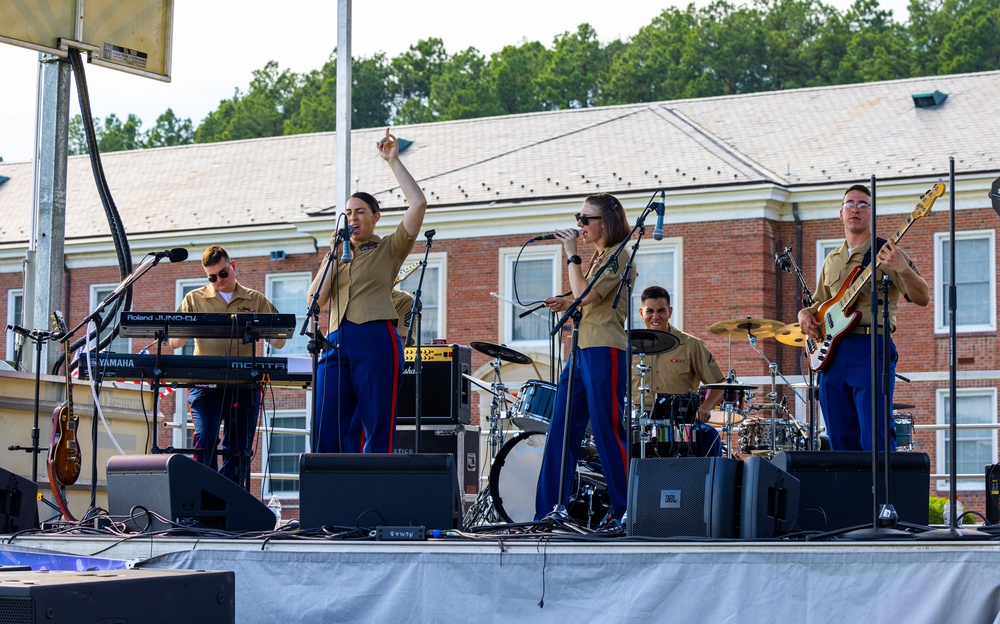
(217,45)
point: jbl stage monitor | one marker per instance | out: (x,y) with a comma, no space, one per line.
(836,487)
(378,489)
(445,396)
(685,496)
(769,499)
(18,502)
(184,492)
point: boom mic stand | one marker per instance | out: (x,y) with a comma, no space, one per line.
(807,301)
(417,359)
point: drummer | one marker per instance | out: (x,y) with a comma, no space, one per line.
(681,369)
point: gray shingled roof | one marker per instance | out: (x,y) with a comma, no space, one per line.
(788,138)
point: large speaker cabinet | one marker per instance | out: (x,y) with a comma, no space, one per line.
(18,503)
(445,396)
(460,441)
(683,496)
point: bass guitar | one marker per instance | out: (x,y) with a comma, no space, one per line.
(64,459)
(835,316)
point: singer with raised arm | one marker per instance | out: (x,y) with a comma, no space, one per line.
(600,374)
(361,369)
(234,404)
(845,382)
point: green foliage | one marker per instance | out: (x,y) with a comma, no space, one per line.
(114,135)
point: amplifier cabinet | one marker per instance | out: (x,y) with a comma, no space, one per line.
(461,441)
(445,397)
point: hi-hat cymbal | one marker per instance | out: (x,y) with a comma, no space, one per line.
(739,328)
(791,335)
(901,406)
(652,341)
(482,385)
(729,386)
(503,352)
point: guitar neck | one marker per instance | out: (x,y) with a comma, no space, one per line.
(852,293)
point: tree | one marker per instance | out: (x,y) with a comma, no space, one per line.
(260,112)
(576,68)
(973,42)
(317,97)
(111,134)
(461,90)
(169,130)
(513,74)
(412,73)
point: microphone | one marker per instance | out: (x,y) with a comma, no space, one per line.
(659,207)
(345,236)
(995,195)
(576,234)
(177,254)
(429,234)
(782,261)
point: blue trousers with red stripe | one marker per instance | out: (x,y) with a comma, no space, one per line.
(358,380)
(845,395)
(599,381)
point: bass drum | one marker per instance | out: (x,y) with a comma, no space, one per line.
(514,481)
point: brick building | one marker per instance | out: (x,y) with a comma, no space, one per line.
(744,177)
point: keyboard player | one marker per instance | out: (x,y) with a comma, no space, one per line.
(234,404)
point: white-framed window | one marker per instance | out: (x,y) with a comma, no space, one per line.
(976,447)
(282,451)
(182,435)
(15,308)
(287,292)
(97,294)
(823,248)
(659,264)
(975,281)
(433,295)
(525,281)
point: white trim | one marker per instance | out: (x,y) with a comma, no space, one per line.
(438,259)
(505,313)
(94,300)
(263,437)
(676,290)
(820,256)
(299,311)
(941,467)
(941,321)
(12,294)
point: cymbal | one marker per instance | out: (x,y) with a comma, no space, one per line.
(729,386)
(791,335)
(738,328)
(718,418)
(651,341)
(479,383)
(902,406)
(503,352)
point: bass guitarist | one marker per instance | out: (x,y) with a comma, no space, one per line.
(845,382)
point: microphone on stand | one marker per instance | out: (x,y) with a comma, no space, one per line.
(177,254)
(576,234)
(783,261)
(346,257)
(660,207)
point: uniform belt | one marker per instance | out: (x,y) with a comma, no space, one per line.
(864,330)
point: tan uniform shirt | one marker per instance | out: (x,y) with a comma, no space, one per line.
(601,324)
(840,263)
(678,371)
(403,302)
(364,285)
(245,300)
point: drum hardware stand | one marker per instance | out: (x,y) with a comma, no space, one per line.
(773,405)
(641,368)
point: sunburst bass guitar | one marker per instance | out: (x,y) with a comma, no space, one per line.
(836,317)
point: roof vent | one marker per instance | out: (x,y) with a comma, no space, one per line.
(929,99)
(403,144)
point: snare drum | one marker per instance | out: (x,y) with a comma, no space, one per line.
(533,410)
(904,431)
(755,436)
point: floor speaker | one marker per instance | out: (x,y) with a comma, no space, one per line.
(182,491)
(368,490)
(461,441)
(685,496)
(18,502)
(769,500)
(445,396)
(836,487)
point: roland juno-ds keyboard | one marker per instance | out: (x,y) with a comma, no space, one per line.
(192,369)
(206,324)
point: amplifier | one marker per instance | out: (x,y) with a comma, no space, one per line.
(445,396)
(461,441)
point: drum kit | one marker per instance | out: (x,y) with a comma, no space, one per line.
(516,461)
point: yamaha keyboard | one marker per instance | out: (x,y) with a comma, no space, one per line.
(206,324)
(194,369)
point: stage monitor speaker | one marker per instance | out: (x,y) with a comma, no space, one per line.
(993,493)
(378,489)
(445,396)
(118,597)
(184,492)
(769,499)
(836,487)
(18,502)
(684,496)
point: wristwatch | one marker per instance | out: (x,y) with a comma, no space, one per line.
(574,259)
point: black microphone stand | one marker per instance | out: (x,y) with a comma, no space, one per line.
(574,312)
(418,371)
(807,301)
(317,339)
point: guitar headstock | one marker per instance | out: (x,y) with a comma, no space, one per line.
(927,200)
(59,322)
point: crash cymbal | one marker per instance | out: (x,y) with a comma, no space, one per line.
(482,385)
(503,352)
(729,386)
(718,418)
(791,335)
(901,406)
(651,341)
(740,328)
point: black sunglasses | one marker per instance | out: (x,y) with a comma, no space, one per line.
(223,274)
(585,219)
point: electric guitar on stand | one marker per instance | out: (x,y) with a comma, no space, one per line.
(835,316)
(64,460)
